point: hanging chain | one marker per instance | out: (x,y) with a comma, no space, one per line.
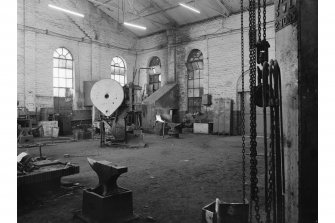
(270,187)
(264,19)
(259,20)
(242,106)
(270,160)
(253,134)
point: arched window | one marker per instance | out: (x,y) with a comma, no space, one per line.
(62,73)
(154,75)
(118,70)
(195,66)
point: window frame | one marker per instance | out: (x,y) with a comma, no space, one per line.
(120,63)
(154,76)
(194,67)
(63,64)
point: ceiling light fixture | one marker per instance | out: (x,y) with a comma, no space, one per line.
(135,26)
(65,10)
(190,8)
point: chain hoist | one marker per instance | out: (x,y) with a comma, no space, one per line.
(267,93)
(253,134)
(242,107)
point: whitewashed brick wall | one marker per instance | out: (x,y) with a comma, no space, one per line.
(41,30)
(220,42)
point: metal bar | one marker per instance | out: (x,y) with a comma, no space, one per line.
(174,22)
(222,6)
(265,83)
(278,150)
(161,11)
(273,155)
(282,138)
(113,5)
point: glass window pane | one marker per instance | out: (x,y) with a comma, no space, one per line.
(62,63)
(59,51)
(65,51)
(201,73)
(69,83)
(201,91)
(190,92)
(190,75)
(195,66)
(68,56)
(117,70)
(55,72)
(69,64)
(197,83)
(196,92)
(152,71)
(55,82)
(61,73)
(157,69)
(189,66)
(113,76)
(201,65)
(56,54)
(61,92)
(190,84)
(122,79)
(196,74)
(55,62)
(68,92)
(62,82)
(55,92)
(68,73)
(159,78)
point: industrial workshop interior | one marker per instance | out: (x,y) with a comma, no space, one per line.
(168,111)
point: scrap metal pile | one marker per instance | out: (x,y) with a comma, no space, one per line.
(37,170)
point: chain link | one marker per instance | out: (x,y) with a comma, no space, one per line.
(264,19)
(242,106)
(270,187)
(259,20)
(253,133)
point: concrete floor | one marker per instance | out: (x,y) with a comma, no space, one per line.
(171,179)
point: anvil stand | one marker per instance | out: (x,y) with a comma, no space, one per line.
(107,202)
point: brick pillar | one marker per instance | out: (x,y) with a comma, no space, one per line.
(29,57)
(171,57)
(296,53)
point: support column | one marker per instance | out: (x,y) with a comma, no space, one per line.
(171,57)
(29,56)
(296,53)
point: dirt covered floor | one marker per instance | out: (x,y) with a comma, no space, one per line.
(171,179)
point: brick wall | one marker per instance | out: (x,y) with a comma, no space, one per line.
(93,41)
(148,47)
(96,39)
(219,40)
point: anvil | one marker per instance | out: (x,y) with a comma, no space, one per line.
(108,174)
